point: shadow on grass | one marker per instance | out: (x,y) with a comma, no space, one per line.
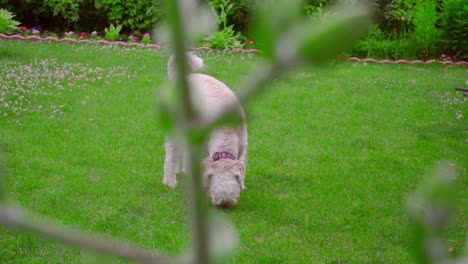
(7,54)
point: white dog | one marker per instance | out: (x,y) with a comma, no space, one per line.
(224,163)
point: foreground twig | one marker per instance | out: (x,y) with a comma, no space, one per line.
(252,86)
(14,218)
(184,117)
(290,53)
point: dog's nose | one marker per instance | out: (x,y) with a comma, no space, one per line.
(224,202)
(228,204)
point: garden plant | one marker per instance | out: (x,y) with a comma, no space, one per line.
(335,151)
(7,24)
(416,29)
(112,33)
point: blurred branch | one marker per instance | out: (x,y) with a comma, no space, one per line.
(305,43)
(293,49)
(430,209)
(14,218)
(185,114)
(176,23)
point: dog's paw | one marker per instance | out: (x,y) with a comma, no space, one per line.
(170,182)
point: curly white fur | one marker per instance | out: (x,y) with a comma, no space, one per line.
(222,179)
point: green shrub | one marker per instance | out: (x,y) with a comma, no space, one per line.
(455,28)
(239,13)
(426,36)
(227,37)
(112,33)
(314,11)
(86,15)
(372,45)
(397,15)
(224,39)
(414,33)
(68,9)
(7,24)
(57,15)
(381,45)
(134,16)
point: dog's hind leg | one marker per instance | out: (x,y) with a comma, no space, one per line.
(243,146)
(170,164)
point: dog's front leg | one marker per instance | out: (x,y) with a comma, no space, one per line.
(243,146)
(170,164)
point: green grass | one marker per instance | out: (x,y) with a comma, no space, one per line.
(333,154)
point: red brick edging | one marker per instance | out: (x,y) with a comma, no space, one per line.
(370,60)
(239,50)
(105,42)
(71,40)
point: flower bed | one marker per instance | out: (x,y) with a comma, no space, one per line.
(70,37)
(131,43)
(443,62)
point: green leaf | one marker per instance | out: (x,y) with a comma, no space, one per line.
(430,209)
(273,18)
(318,42)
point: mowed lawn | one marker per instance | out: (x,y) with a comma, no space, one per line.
(333,154)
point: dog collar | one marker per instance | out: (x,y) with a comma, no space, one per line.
(223,155)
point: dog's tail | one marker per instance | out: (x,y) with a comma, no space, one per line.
(195,63)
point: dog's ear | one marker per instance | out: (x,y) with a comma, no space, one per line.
(208,169)
(239,169)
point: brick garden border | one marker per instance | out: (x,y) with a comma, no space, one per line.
(447,63)
(238,50)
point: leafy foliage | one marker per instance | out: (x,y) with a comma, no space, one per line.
(377,44)
(374,45)
(455,27)
(7,24)
(225,38)
(68,9)
(397,15)
(314,11)
(79,15)
(406,25)
(112,33)
(225,8)
(132,15)
(422,29)
(239,13)
(426,35)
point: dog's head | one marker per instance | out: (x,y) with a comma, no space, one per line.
(194,62)
(223,180)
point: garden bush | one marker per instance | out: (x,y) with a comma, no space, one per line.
(455,28)
(426,36)
(134,16)
(226,36)
(418,29)
(396,15)
(239,15)
(408,28)
(86,15)
(7,23)
(57,15)
(68,9)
